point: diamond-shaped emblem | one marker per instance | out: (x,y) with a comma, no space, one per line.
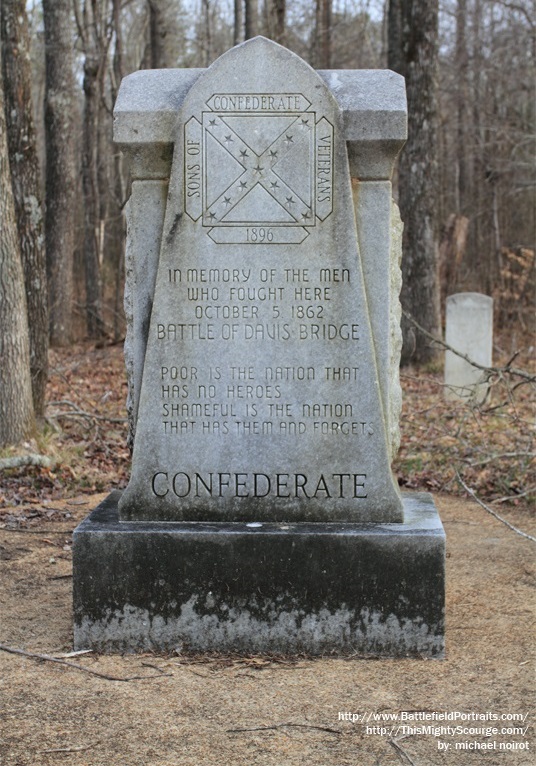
(258,169)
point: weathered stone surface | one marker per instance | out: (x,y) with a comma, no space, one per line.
(373,106)
(145,236)
(373,103)
(145,219)
(262,387)
(371,589)
(395,330)
(262,353)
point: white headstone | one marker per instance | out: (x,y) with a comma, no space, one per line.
(469,330)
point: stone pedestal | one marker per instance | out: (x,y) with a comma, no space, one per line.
(321,588)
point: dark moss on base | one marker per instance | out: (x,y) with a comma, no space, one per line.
(319,588)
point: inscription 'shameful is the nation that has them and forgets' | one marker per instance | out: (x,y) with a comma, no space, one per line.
(260,397)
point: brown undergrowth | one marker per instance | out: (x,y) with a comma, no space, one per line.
(491,446)
(182,710)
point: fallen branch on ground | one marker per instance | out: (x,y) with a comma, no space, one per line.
(508,498)
(283,725)
(74,666)
(492,512)
(78,413)
(77,749)
(24,531)
(400,750)
(61,577)
(17,462)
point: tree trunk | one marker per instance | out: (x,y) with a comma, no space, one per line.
(117,67)
(280,21)
(462,65)
(95,25)
(451,253)
(16,408)
(413,52)
(156,35)
(278,11)
(251,18)
(118,222)
(166,34)
(477,259)
(60,137)
(237,26)
(394,36)
(90,187)
(207,54)
(322,47)
(24,164)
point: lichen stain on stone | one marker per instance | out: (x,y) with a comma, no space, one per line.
(134,629)
(395,388)
(173,229)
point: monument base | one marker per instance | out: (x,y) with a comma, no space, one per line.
(326,588)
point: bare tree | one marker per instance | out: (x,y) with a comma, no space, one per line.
(251,18)
(166,33)
(275,20)
(117,220)
(487,72)
(61,139)
(413,52)
(208,31)
(322,37)
(214,34)
(16,408)
(95,31)
(462,71)
(25,178)
(237,21)
(485,141)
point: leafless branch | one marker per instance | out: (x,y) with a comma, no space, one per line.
(491,458)
(401,752)
(491,370)
(62,577)
(76,749)
(519,9)
(74,666)
(508,498)
(493,513)
(283,725)
(78,413)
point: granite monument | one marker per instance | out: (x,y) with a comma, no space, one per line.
(262,354)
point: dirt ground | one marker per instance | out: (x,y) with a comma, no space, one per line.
(209,711)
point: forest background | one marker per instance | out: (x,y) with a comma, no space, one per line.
(466,186)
